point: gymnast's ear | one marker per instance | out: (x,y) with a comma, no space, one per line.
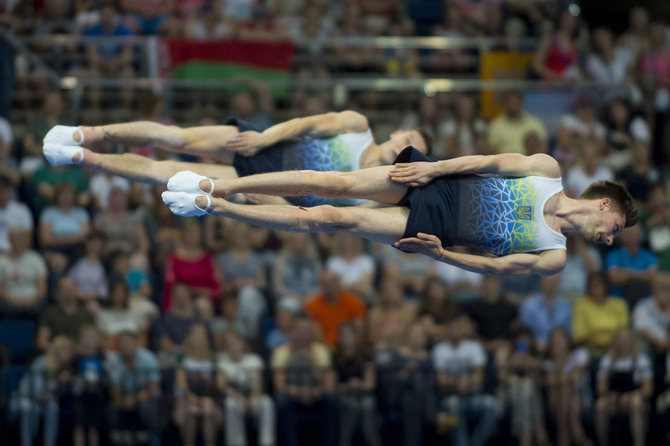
(605,203)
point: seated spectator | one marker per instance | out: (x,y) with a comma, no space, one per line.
(464,285)
(493,316)
(545,311)
(173,326)
(334,307)
(45,392)
(640,174)
(23,276)
(408,270)
(240,265)
(565,150)
(101,186)
(135,383)
(459,362)
(630,267)
(116,317)
(583,123)
(508,130)
(122,229)
(199,386)
(13,214)
(519,375)
(42,186)
(624,386)
(556,54)
(285,313)
(231,318)
(356,386)
(8,164)
(568,387)
(623,129)
(64,227)
(590,170)
(651,317)
(636,37)
(242,372)
(191,264)
(656,221)
(437,308)
(406,376)
(37,126)
(303,383)
(148,17)
(63,318)
(607,63)
(253,103)
(391,316)
(466,132)
(597,316)
(89,273)
(354,268)
(91,389)
(582,259)
(296,271)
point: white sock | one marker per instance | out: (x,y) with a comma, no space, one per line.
(58,154)
(187,181)
(62,134)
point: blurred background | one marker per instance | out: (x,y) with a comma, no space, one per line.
(121,324)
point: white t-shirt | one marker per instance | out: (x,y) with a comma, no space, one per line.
(647,316)
(113,321)
(459,359)
(582,129)
(579,357)
(241,373)
(641,367)
(14,215)
(613,72)
(578,180)
(19,276)
(351,271)
(101,186)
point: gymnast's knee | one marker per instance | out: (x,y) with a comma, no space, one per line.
(324,219)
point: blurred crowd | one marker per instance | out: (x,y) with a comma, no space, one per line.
(152,329)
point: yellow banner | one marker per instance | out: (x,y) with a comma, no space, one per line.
(500,65)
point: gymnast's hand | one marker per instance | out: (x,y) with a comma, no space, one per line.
(246,143)
(425,244)
(414,174)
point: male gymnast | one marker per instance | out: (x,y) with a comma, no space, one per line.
(510,205)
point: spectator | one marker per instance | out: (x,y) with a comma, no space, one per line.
(63,318)
(334,307)
(597,316)
(663,400)
(101,186)
(354,268)
(636,37)
(582,259)
(44,392)
(255,109)
(624,385)
(135,380)
(231,318)
(583,123)
(640,175)
(89,273)
(438,307)
(37,126)
(91,384)
(466,132)
(287,308)
(356,385)
(296,271)
(623,129)
(545,311)
(630,267)
(459,362)
(592,169)
(147,16)
(391,316)
(408,270)
(243,373)
(23,276)
(64,227)
(464,285)
(13,214)
(519,375)
(556,55)
(199,386)
(117,317)
(191,264)
(651,316)
(304,382)
(493,316)
(508,130)
(568,387)
(608,64)
(656,222)
(8,165)
(42,186)
(122,230)
(565,150)
(173,326)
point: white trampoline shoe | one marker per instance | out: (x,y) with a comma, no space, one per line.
(183,204)
(189,182)
(58,154)
(62,134)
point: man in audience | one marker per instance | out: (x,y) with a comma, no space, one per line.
(651,316)
(173,326)
(509,129)
(544,312)
(13,214)
(333,307)
(493,316)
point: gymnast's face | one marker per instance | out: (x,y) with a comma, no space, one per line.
(604,225)
(401,139)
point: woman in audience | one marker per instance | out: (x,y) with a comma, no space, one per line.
(624,385)
(556,55)
(123,231)
(356,385)
(466,132)
(608,64)
(117,316)
(241,266)
(89,273)
(391,316)
(568,388)
(243,373)
(199,387)
(355,268)
(297,270)
(437,308)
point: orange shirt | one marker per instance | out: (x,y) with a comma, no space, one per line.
(330,316)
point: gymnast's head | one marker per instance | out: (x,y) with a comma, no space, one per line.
(616,211)
(418,138)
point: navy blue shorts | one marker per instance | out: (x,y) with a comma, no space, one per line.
(269,159)
(433,208)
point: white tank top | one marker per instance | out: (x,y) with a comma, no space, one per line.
(350,146)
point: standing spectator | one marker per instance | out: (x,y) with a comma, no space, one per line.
(651,316)
(64,227)
(460,362)
(508,130)
(191,264)
(89,273)
(356,385)
(243,373)
(304,382)
(590,170)
(199,386)
(597,316)
(334,307)
(354,268)
(608,64)
(624,386)
(296,271)
(391,316)
(13,214)
(23,276)
(466,132)
(556,55)
(173,326)
(582,260)
(630,267)
(545,311)
(493,316)
(91,394)
(135,380)
(44,390)
(641,174)
(122,230)
(63,318)
(117,317)
(438,307)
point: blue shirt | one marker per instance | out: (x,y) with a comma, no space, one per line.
(543,319)
(64,224)
(621,258)
(144,371)
(109,49)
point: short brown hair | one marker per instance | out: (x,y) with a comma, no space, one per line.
(619,196)
(427,139)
